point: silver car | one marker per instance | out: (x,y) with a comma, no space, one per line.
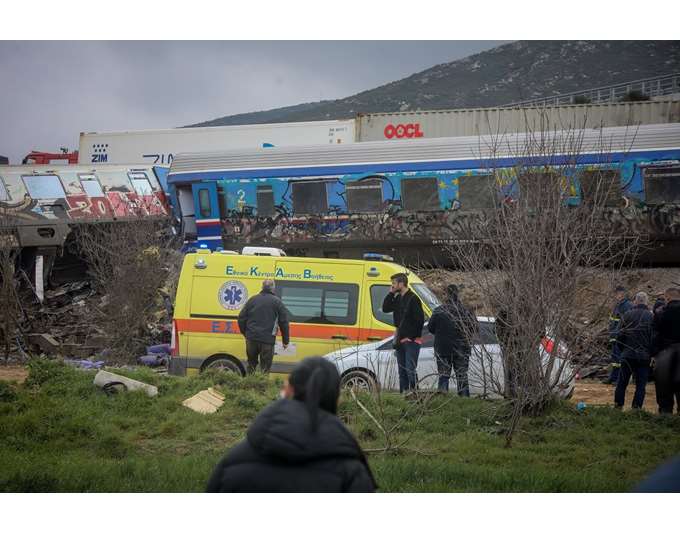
(374,365)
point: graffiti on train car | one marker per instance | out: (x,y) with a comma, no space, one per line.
(413,206)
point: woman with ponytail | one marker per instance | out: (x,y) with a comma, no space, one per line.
(298,444)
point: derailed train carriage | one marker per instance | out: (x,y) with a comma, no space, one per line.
(40,205)
(408,198)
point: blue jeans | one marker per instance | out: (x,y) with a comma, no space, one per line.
(407,361)
(639,368)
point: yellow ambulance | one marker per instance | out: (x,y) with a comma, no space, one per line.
(332,304)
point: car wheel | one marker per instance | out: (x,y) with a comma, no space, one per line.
(224,364)
(358,381)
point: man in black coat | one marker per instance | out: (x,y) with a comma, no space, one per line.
(453,325)
(409,320)
(667,349)
(259,321)
(635,339)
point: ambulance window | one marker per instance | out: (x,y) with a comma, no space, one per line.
(91,185)
(303,303)
(378,294)
(4,195)
(141,183)
(44,186)
(321,303)
(204,203)
(310,197)
(364,196)
(265,201)
(336,303)
(420,194)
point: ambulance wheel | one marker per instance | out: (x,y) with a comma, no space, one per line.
(223,364)
(359,379)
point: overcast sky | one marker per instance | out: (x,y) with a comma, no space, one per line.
(51,91)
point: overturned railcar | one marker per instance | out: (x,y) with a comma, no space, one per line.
(40,205)
(410,198)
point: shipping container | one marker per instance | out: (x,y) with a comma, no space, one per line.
(485,121)
(158,147)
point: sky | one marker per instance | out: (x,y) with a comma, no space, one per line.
(53,90)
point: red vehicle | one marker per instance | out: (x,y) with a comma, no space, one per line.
(50,158)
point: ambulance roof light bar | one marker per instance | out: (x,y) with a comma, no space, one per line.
(372,256)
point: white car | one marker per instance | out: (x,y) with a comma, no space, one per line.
(374,365)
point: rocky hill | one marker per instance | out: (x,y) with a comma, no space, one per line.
(508,73)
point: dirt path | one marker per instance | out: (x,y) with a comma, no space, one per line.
(597,394)
(14,373)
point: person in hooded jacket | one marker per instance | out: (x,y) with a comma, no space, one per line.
(298,444)
(453,325)
(635,338)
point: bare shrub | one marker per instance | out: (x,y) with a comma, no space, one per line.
(9,300)
(535,250)
(130,263)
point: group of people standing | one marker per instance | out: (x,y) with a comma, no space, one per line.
(452,324)
(645,341)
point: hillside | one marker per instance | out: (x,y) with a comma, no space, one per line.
(508,73)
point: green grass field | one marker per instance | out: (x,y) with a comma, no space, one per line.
(58,432)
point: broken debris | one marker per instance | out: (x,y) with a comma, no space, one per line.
(206,401)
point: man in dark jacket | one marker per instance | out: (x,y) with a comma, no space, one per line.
(635,339)
(408,320)
(667,349)
(453,325)
(621,306)
(258,321)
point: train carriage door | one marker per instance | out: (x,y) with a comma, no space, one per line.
(324,311)
(207,212)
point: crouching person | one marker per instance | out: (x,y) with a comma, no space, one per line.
(453,325)
(298,444)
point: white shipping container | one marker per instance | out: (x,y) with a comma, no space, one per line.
(489,121)
(158,147)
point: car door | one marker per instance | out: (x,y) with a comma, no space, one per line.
(485,372)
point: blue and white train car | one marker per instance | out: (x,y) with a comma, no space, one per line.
(407,198)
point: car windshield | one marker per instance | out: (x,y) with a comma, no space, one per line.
(429,298)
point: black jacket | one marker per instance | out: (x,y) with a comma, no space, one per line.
(408,314)
(635,333)
(261,317)
(667,325)
(453,325)
(281,453)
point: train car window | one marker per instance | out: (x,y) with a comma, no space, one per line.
(265,201)
(478,191)
(140,183)
(114,181)
(364,196)
(420,194)
(204,203)
(662,184)
(91,185)
(319,302)
(4,195)
(527,188)
(310,197)
(44,186)
(601,187)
